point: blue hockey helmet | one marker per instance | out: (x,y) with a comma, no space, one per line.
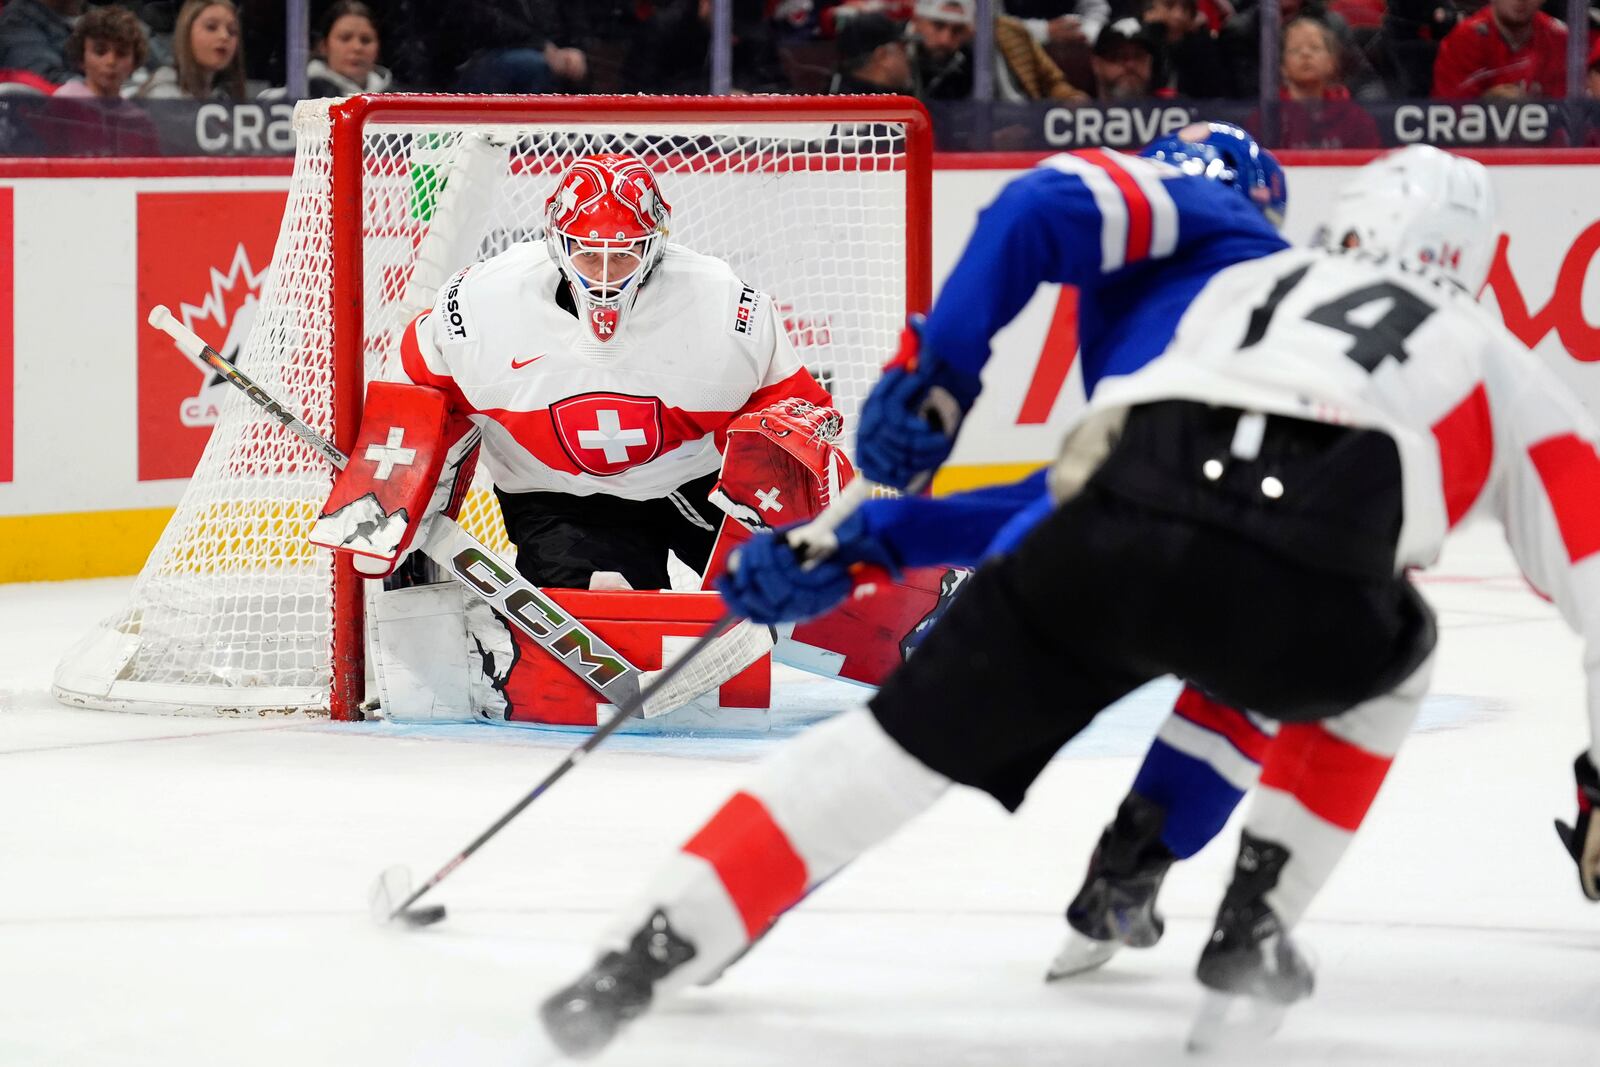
(1223,152)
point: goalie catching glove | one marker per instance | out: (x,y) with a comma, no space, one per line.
(781,465)
(910,419)
(1582,840)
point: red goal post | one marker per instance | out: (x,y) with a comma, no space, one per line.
(823,201)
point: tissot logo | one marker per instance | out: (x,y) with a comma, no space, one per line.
(747,307)
(453,310)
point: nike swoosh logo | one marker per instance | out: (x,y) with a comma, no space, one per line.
(519,364)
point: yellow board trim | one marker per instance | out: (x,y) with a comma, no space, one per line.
(977,475)
(89,544)
(104,544)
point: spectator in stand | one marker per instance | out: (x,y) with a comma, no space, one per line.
(346,55)
(107,45)
(1241,43)
(1025,70)
(346,60)
(1124,62)
(507,46)
(1510,50)
(1407,42)
(208,57)
(1061,22)
(33,37)
(90,117)
(1188,57)
(1317,110)
(671,50)
(941,49)
(1592,79)
(873,57)
(828,17)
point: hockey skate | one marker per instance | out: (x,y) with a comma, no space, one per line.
(1250,962)
(583,1018)
(1117,903)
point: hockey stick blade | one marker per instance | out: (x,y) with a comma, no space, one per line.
(406,910)
(391,887)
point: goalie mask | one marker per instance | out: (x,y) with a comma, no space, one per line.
(1423,206)
(606,225)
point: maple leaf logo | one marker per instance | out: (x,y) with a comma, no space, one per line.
(222,318)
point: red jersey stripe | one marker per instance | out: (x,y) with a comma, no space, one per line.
(762,873)
(1466,452)
(1139,213)
(1570,471)
(1333,779)
(1223,720)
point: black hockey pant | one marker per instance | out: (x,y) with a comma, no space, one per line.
(1268,582)
(562,539)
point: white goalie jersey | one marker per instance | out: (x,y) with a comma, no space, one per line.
(634,416)
(1480,423)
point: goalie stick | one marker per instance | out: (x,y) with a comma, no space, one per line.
(463,556)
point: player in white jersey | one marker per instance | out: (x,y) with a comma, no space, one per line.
(1240,513)
(602,367)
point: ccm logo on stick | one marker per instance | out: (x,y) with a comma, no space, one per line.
(539,615)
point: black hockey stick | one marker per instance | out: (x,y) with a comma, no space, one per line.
(413,916)
(813,541)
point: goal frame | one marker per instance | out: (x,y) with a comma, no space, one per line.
(349,121)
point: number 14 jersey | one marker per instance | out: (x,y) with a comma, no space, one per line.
(1481,424)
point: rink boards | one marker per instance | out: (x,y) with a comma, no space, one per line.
(101,422)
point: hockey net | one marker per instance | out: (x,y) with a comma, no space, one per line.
(821,202)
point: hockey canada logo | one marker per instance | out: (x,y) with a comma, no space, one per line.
(607,433)
(224,314)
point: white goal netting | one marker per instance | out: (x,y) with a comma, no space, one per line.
(233,610)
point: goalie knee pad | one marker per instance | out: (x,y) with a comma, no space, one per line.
(437,657)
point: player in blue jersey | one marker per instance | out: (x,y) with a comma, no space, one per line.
(1139,237)
(1142,250)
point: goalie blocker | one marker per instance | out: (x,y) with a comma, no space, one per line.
(442,656)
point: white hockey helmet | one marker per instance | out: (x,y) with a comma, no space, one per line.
(1423,206)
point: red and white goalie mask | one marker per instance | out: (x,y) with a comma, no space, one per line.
(606,225)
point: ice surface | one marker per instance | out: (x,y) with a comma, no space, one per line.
(181,891)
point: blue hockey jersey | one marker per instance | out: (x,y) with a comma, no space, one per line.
(1138,238)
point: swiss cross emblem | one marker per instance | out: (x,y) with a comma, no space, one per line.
(606,433)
